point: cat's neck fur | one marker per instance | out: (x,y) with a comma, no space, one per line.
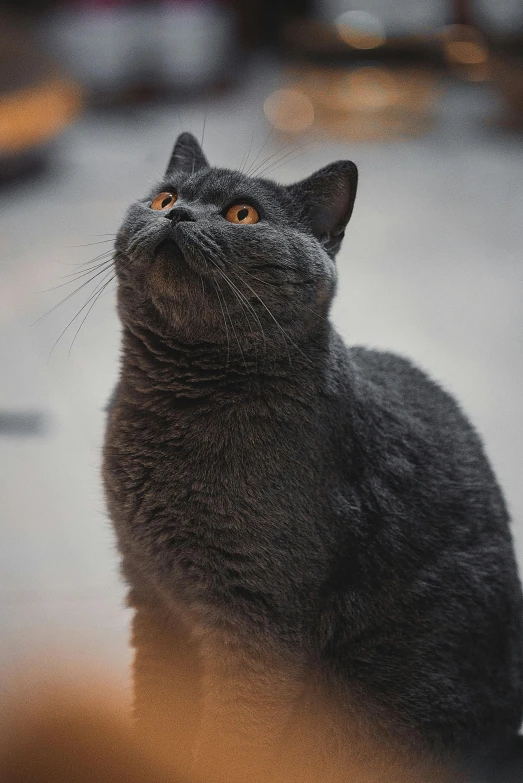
(156,364)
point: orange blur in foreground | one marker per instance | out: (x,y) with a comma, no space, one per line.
(53,734)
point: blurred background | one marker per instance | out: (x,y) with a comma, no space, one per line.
(426,96)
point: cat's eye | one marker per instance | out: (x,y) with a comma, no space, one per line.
(163,200)
(242,213)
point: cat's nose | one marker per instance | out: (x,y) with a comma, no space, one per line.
(179,214)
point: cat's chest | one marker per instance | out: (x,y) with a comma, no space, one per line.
(219,500)
(182,451)
(233,460)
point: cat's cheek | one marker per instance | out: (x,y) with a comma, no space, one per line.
(323,292)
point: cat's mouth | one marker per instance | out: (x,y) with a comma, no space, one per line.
(179,255)
(174,265)
(168,247)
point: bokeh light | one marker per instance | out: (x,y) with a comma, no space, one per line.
(368,101)
(289,110)
(56,103)
(466,51)
(372,88)
(360,29)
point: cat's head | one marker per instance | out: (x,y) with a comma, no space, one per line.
(215,255)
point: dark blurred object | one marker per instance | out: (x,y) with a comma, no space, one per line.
(261,22)
(482,48)
(313,39)
(22,423)
(372,77)
(36,101)
(125,51)
(370,71)
(121,51)
(462,12)
(507,76)
(466,52)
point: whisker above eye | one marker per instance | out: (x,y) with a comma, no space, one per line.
(245,158)
(253,172)
(260,151)
(295,152)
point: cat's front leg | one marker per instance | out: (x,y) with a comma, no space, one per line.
(249,698)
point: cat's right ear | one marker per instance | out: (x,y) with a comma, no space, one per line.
(187,156)
(326,200)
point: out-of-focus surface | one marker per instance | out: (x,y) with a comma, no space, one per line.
(56,733)
(431,267)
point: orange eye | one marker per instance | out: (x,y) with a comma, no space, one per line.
(163,200)
(242,213)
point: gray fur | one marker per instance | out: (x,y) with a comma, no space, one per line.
(330,504)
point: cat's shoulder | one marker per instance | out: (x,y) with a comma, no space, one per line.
(386,366)
(397,381)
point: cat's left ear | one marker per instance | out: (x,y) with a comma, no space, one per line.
(187,155)
(327,199)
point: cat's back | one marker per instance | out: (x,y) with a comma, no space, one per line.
(420,460)
(402,402)
(398,384)
(439,556)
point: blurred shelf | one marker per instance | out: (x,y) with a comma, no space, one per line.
(31,117)
(36,101)
(314,40)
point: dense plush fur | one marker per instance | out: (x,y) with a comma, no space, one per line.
(280,497)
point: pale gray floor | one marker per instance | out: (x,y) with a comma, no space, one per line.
(431,267)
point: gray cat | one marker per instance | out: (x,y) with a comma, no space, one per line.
(289,509)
